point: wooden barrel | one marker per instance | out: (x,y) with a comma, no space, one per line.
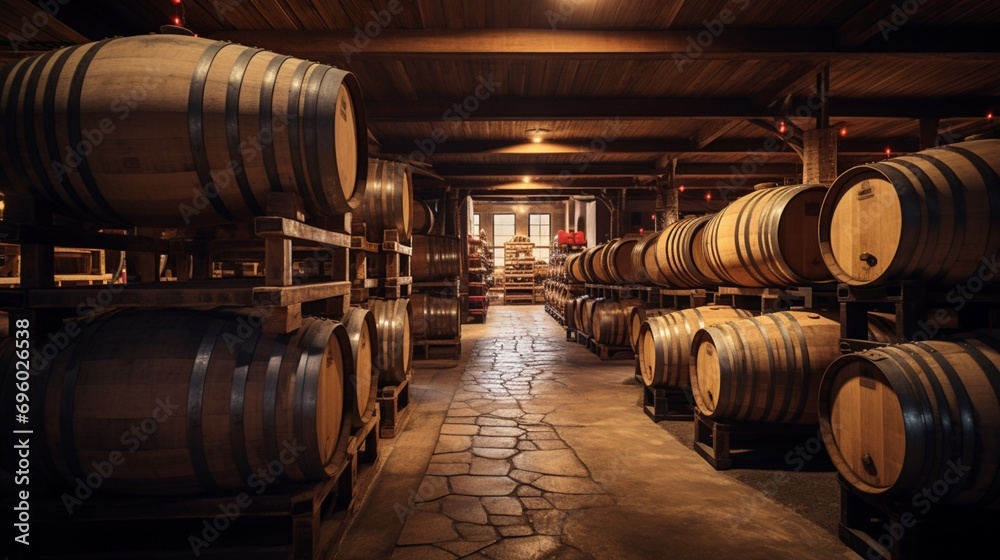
(395,346)
(664,346)
(599,266)
(435,257)
(574,267)
(882,328)
(195,401)
(587,315)
(928,216)
(763,369)
(680,254)
(767,238)
(644,261)
(578,311)
(901,420)
(618,260)
(388,199)
(167,130)
(423,218)
(637,316)
(360,324)
(610,322)
(435,317)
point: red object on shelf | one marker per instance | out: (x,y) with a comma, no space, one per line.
(580,238)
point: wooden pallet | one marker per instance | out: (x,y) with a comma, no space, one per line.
(394,404)
(437,349)
(715,441)
(920,313)
(666,403)
(662,298)
(772,300)
(606,352)
(386,269)
(299,521)
(885,530)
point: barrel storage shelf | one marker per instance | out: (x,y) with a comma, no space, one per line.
(301,521)
(519,271)
(73,267)
(278,239)
(480,278)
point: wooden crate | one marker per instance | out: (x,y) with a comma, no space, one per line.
(716,441)
(394,404)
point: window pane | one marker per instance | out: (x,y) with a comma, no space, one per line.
(503,230)
(540,231)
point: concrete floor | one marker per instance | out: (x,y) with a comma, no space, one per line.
(533,448)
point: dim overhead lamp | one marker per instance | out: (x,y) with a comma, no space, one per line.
(537,135)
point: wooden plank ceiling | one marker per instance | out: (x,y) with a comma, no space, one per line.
(612,83)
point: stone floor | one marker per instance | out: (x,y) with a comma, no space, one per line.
(533,448)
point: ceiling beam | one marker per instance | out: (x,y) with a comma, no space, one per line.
(865,23)
(623,108)
(602,170)
(741,44)
(712,132)
(681,146)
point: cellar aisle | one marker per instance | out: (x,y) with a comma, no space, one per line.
(533,448)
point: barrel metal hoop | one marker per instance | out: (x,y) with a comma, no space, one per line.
(67,397)
(991,180)
(196,131)
(310,135)
(233,93)
(807,371)
(965,422)
(196,394)
(922,412)
(727,362)
(304,404)
(49,128)
(27,112)
(744,370)
(992,374)
(76,136)
(294,139)
(271,381)
(9,125)
(747,262)
(910,205)
(237,404)
(267,119)
(791,366)
(934,213)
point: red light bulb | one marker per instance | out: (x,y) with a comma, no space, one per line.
(781,127)
(680,188)
(888,151)
(708,197)
(176,20)
(843,132)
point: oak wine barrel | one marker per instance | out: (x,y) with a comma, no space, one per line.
(639,315)
(435,257)
(768,238)
(899,420)
(611,321)
(763,369)
(644,260)
(361,330)
(395,345)
(595,269)
(423,218)
(680,254)
(929,216)
(574,267)
(587,315)
(435,317)
(388,200)
(664,347)
(578,309)
(196,401)
(618,260)
(175,131)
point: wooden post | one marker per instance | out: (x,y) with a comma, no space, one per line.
(819,156)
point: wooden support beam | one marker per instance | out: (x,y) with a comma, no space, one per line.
(712,132)
(622,108)
(657,146)
(734,44)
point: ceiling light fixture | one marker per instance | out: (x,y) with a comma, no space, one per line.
(525,179)
(537,135)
